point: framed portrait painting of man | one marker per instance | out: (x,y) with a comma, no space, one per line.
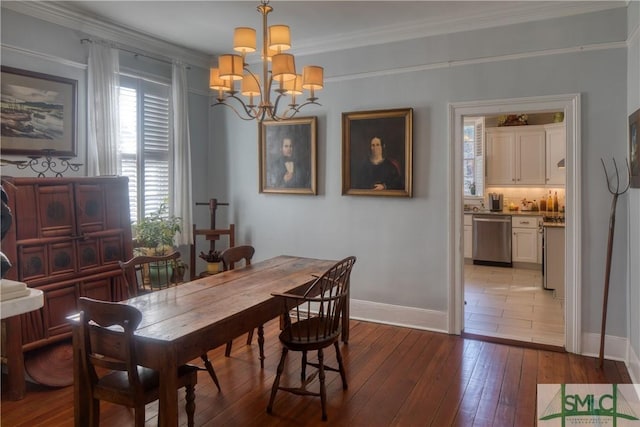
(377,153)
(288,155)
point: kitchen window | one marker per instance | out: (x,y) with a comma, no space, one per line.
(144,143)
(473,156)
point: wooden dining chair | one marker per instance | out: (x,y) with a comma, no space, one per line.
(230,257)
(144,274)
(108,359)
(313,322)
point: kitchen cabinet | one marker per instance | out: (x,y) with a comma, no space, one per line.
(516,155)
(468,236)
(525,241)
(556,151)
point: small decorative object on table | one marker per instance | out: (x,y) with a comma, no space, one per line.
(213,260)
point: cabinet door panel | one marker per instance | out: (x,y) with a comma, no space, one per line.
(500,158)
(33,262)
(90,206)
(112,249)
(525,245)
(62,258)
(97,289)
(59,304)
(88,254)
(531,158)
(556,150)
(56,211)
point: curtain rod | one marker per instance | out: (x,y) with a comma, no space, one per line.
(133,52)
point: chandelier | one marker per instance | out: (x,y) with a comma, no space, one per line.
(279,77)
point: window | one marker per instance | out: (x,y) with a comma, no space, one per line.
(473,156)
(145,141)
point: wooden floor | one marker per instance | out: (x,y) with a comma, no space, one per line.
(510,303)
(397,377)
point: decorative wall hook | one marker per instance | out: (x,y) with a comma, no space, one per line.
(45,163)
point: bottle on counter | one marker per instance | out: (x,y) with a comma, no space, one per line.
(549,202)
(556,206)
(543,203)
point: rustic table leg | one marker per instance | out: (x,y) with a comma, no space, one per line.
(168,412)
(15,359)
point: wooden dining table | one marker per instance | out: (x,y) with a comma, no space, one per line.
(181,323)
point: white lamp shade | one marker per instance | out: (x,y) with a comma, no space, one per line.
(230,67)
(294,87)
(283,67)
(313,77)
(215,82)
(279,37)
(244,40)
(250,85)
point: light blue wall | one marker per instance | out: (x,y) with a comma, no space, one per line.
(402,244)
(633,104)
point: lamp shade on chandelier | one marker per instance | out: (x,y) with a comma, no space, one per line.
(278,79)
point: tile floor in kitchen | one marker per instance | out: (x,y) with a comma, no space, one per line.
(511,303)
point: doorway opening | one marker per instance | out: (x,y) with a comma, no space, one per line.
(569,104)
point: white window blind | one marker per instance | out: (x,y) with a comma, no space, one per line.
(473,156)
(145,140)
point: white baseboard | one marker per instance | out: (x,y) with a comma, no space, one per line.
(397,315)
(615,348)
(633,365)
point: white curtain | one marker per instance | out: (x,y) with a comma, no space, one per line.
(102,145)
(181,202)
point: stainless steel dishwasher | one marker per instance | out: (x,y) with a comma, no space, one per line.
(492,240)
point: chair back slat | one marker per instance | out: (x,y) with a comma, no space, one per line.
(145,274)
(317,316)
(234,254)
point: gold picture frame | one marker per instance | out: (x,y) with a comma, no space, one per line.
(288,156)
(38,113)
(634,148)
(377,153)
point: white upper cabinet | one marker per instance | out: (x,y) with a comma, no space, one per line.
(516,155)
(556,151)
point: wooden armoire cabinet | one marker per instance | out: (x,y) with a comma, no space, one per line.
(66,239)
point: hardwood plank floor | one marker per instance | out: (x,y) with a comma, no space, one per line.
(396,376)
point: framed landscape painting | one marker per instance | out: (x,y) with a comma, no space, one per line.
(38,113)
(377,153)
(288,156)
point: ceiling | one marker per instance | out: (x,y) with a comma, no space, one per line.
(206,27)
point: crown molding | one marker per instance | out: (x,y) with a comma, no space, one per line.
(530,11)
(58,14)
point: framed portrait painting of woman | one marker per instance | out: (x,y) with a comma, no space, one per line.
(377,153)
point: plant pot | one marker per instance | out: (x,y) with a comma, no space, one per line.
(159,275)
(213,267)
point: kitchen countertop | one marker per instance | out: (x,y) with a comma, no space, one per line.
(513,213)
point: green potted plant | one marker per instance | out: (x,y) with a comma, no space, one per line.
(155,237)
(155,233)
